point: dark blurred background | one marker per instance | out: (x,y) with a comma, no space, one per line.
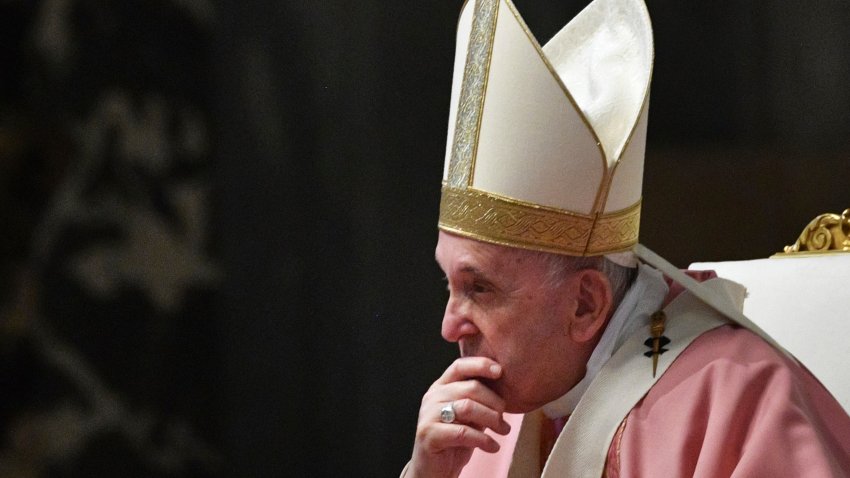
(218,217)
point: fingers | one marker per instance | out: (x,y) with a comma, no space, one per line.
(444,448)
(479,416)
(475,404)
(472,389)
(444,436)
(461,381)
(471,367)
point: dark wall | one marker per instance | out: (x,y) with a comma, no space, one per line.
(331,139)
(307,327)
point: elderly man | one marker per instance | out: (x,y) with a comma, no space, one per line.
(576,358)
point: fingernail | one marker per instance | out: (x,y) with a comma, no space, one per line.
(495,369)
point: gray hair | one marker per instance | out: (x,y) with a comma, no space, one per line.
(559,267)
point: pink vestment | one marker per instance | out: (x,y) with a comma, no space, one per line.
(729,405)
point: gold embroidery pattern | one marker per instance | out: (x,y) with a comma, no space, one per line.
(472,92)
(510,222)
(615,232)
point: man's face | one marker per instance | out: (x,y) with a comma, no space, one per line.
(500,306)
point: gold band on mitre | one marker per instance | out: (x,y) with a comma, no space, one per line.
(509,222)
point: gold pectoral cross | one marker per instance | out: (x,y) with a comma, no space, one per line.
(657,340)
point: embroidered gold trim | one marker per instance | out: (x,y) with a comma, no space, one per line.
(473,92)
(495,219)
(614,232)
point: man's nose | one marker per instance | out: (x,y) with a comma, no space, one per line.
(457,321)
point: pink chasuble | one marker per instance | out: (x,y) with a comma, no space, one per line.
(733,406)
(729,406)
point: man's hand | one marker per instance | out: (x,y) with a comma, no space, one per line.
(442,449)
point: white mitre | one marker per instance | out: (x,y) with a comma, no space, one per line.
(546,145)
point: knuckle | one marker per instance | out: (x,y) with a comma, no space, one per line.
(421,434)
(426,438)
(463,407)
(495,419)
(461,433)
(471,386)
(427,396)
(457,365)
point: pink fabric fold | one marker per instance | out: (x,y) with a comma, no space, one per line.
(732,406)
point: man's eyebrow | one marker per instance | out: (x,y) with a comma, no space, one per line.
(470,269)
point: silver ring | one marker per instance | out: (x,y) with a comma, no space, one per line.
(447,413)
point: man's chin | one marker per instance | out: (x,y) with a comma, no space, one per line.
(494,385)
(517,407)
(514,403)
(511,403)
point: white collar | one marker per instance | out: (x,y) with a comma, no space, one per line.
(643,298)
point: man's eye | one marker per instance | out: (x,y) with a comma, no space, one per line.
(480,288)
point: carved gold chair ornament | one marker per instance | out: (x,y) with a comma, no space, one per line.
(826,233)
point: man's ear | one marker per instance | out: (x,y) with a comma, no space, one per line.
(594,300)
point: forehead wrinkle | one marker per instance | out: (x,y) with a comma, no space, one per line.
(480,258)
(483,255)
(470,263)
